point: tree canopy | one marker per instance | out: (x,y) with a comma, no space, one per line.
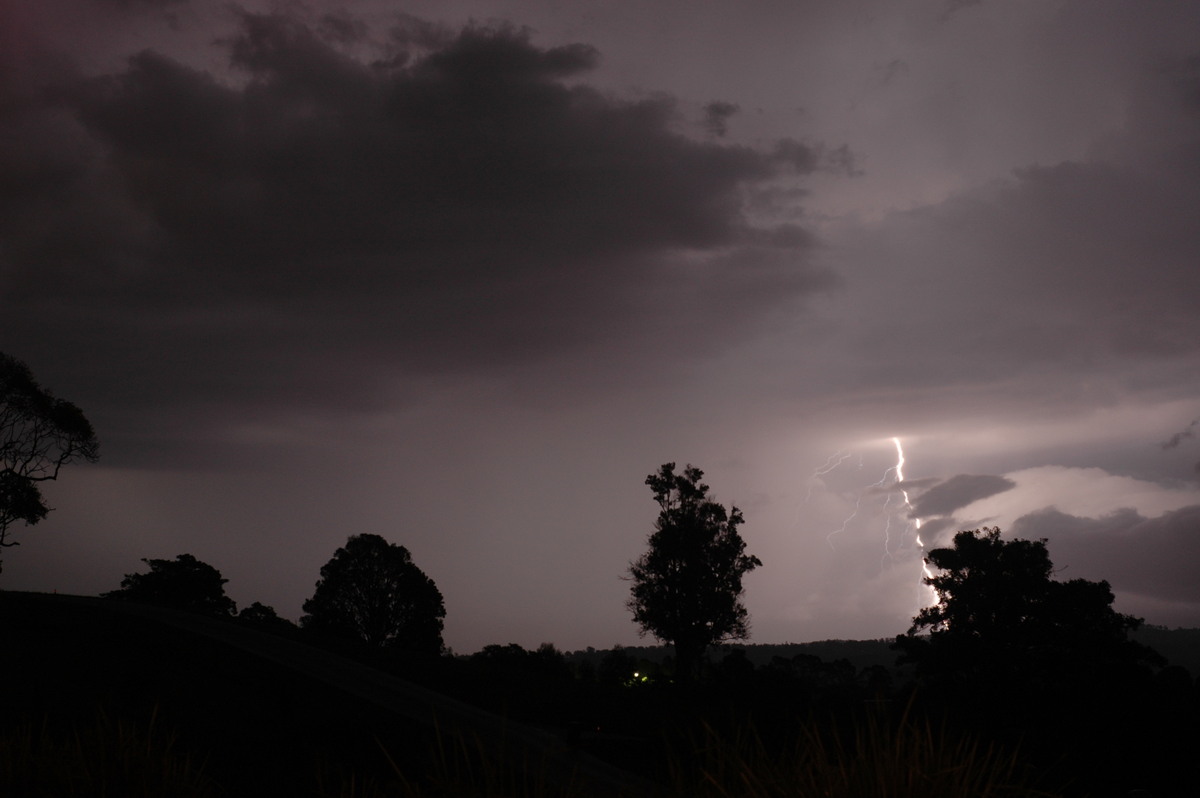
(39,434)
(372,591)
(1000,615)
(184,583)
(264,616)
(687,587)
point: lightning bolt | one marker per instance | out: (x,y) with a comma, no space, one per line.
(831,463)
(898,471)
(899,468)
(842,528)
(891,481)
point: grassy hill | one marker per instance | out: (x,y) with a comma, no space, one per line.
(95,688)
(243,723)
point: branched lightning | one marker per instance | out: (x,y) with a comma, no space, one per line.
(892,481)
(898,471)
(832,462)
(842,528)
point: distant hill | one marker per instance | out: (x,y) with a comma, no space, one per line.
(1179,646)
(69,660)
(860,653)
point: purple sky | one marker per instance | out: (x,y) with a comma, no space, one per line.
(462,274)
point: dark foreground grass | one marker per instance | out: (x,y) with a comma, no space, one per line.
(125,759)
(873,759)
(98,703)
(104,758)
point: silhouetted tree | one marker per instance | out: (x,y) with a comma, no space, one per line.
(1000,617)
(265,616)
(372,591)
(184,583)
(39,434)
(687,587)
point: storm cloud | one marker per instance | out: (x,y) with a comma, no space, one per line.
(443,200)
(1186,433)
(957,492)
(1145,556)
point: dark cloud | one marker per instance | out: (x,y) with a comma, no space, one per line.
(1154,557)
(147,3)
(892,70)
(717,115)
(342,27)
(1077,271)
(954,6)
(324,219)
(805,157)
(1186,433)
(957,492)
(798,156)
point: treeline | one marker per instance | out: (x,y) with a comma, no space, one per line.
(370,595)
(860,653)
(1086,731)
(1047,673)
(1008,656)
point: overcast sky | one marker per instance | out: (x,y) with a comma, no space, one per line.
(462,274)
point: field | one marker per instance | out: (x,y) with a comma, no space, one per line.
(109,698)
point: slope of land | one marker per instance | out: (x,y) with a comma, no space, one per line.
(268,714)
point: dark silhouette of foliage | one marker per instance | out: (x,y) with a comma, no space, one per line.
(1021,657)
(616,666)
(184,583)
(372,591)
(265,617)
(687,587)
(534,685)
(1015,653)
(39,434)
(1000,613)
(544,664)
